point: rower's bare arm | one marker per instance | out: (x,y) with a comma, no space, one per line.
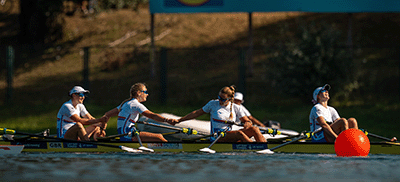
(111,113)
(325,126)
(192,115)
(246,122)
(157,117)
(256,121)
(89,116)
(85,121)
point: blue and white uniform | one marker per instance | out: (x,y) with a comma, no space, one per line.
(328,113)
(127,117)
(246,113)
(219,114)
(64,121)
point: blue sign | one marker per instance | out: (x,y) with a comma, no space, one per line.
(321,6)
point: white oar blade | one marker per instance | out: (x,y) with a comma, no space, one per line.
(145,149)
(208,150)
(265,151)
(130,149)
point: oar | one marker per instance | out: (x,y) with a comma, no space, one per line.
(269,130)
(277,131)
(170,133)
(273,131)
(377,136)
(140,141)
(221,134)
(306,135)
(198,138)
(128,149)
(113,136)
(43,133)
(188,131)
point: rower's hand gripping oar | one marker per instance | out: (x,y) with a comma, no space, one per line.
(136,133)
(304,136)
(128,149)
(220,134)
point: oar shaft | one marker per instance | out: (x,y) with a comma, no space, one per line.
(113,136)
(297,139)
(380,137)
(8,131)
(287,143)
(219,136)
(137,136)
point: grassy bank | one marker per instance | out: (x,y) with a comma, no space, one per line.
(377,119)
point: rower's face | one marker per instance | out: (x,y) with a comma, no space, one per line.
(238,102)
(142,94)
(324,95)
(80,97)
(223,99)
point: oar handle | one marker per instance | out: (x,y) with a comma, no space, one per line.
(7,131)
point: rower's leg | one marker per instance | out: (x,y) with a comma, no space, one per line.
(254,131)
(235,136)
(340,125)
(352,123)
(76,132)
(96,131)
(92,130)
(150,137)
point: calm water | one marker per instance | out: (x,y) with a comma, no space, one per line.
(196,167)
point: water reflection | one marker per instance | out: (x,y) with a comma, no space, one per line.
(196,167)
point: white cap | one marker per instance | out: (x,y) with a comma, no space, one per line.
(239,96)
(78,89)
(319,89)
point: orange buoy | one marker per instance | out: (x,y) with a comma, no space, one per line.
(352,142)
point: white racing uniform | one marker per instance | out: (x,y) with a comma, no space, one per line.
(64,121)
(246,113)
(128,116)
(219,114)
(329,114)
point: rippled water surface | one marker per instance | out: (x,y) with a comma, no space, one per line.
(196,167)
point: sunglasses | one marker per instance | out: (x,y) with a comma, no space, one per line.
(221,99)
(145,91)
(80,94)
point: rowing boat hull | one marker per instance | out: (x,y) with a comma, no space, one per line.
(201,126)
(10,149)
(301,147)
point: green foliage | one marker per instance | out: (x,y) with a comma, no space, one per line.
(312,57)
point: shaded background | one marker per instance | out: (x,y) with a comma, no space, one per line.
(293,54)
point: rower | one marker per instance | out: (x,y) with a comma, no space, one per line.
(73,115)
(222,112)
(327,117)
(128,113)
